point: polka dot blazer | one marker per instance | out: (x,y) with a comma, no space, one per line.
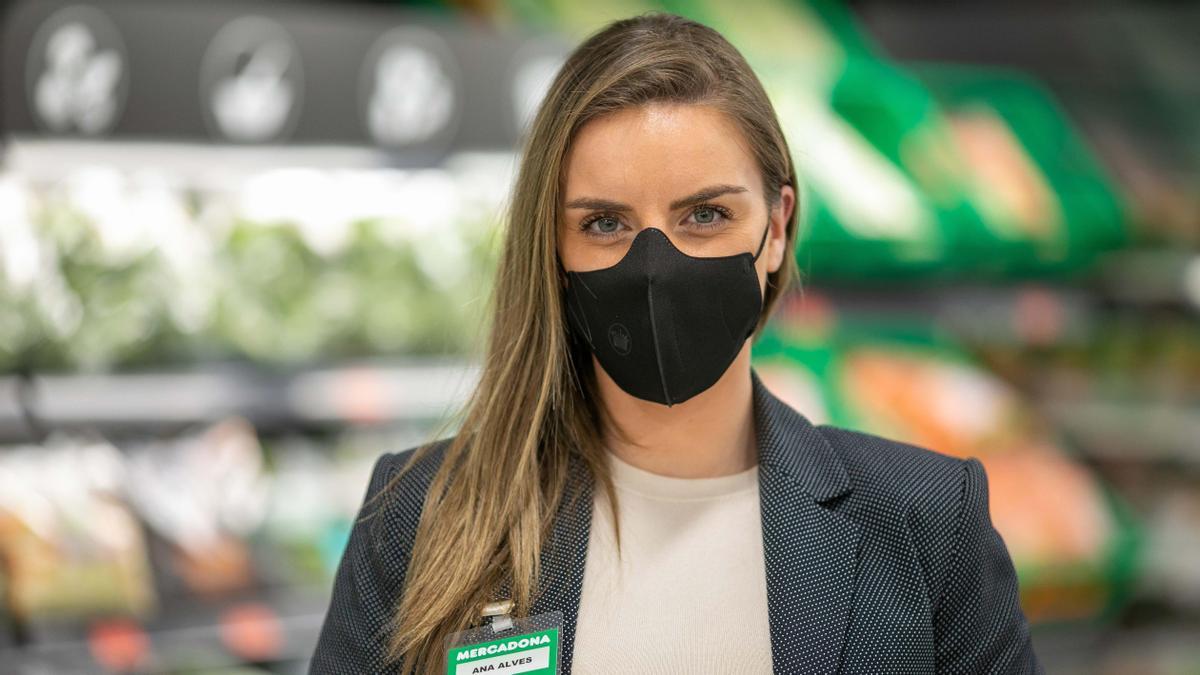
(881,557)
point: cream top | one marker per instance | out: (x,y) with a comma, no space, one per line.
(689,591)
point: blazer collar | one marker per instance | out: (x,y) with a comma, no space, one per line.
(810,551)
(789,443)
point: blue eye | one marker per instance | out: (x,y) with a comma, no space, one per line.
(610,226)
(711,219)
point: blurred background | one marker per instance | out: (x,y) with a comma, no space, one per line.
(245,248)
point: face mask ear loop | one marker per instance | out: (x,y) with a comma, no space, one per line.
(562,271)
(764,241)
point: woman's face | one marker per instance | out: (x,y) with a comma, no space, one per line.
(685,169)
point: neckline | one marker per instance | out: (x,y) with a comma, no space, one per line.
(648,484)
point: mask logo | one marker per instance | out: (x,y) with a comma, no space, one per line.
(618,337)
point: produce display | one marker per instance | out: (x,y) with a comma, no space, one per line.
(128,549)
(109,268)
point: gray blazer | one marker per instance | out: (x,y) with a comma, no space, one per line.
(881,557)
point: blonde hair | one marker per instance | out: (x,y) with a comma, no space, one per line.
(491,503)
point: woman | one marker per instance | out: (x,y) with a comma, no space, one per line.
(619,428)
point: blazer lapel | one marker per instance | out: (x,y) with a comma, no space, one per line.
(810,551)
(563,557)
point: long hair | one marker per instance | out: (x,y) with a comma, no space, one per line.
(491,502)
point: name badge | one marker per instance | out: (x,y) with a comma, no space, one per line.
(507,646)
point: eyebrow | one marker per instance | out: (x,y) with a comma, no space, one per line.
(711,192)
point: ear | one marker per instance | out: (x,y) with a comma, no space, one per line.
(781,215)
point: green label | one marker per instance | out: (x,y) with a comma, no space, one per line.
(528,653)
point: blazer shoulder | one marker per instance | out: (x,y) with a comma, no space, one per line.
(370,576)
(424,464)
(401,478)
(395,497)
(902,489)
(902,473)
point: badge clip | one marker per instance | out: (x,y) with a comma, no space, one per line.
(499,611)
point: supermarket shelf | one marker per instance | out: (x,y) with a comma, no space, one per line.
(1083,649)
(1154,277)
(362,393)
(1130,431)
(989,313)
(282,630)
(41,160)
(1136,277)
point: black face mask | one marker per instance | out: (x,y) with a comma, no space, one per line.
(663,324)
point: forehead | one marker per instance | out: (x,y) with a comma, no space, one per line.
(657,152)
